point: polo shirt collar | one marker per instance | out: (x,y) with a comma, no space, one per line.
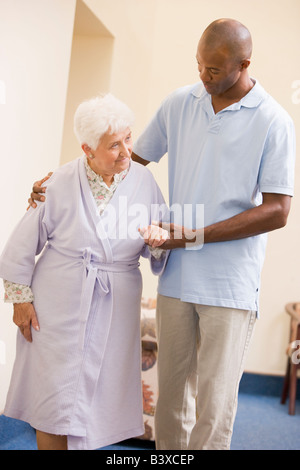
(255,96)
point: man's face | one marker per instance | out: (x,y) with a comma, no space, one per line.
(217,69)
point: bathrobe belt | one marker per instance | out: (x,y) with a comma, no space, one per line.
(95,272)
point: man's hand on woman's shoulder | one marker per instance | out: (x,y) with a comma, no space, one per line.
(38,192)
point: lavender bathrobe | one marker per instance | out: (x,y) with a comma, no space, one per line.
(81,375)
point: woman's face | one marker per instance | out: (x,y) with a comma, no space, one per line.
(112,154)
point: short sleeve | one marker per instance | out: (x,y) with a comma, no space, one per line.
(153,142)
(278,161)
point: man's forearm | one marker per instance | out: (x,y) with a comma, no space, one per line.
(269,216)
(250,223)
(138,159)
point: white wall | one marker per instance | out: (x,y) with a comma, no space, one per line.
(35,46)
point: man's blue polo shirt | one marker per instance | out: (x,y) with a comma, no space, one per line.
(223,161)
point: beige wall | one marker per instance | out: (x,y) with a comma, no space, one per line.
(144,49)
(89,73)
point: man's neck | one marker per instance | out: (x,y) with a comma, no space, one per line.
(233,95)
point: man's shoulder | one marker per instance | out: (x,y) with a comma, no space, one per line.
(272,109)
(278,111)
(182,93)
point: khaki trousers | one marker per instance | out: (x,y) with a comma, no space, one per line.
(201,353)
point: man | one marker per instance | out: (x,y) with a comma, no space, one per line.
(229,144)
(231,148)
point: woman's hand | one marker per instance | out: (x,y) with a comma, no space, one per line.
(38,191)
(154,235)
(177,236)
(25,318)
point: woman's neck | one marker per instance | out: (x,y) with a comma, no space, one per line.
(108,179)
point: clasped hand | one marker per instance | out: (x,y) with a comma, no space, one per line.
(168,236)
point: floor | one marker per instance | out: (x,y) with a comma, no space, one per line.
(262,423)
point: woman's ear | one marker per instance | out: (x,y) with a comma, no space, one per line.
(86,149)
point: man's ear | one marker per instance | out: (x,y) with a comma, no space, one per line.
(245,64)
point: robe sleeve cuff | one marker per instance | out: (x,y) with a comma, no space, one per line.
(157,264)
(17,293)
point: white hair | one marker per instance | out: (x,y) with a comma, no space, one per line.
(97,116)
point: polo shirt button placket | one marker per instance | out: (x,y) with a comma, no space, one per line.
(215,125)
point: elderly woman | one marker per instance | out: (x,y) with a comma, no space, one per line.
(76,377)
